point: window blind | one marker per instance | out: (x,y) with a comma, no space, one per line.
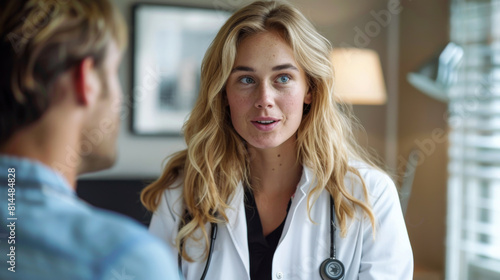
(473,215)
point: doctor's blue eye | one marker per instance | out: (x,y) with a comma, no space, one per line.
(247,80)
(283,79)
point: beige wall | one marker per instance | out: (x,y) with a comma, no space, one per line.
(423,30)
(345,32)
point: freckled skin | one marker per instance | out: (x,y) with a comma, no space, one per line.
(265,91)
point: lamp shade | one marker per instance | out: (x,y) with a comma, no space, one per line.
(358,76)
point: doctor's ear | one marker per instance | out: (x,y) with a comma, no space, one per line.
(307,103)
(308,97)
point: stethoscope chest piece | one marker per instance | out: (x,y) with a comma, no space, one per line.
(331,269)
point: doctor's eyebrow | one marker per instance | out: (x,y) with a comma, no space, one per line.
(242,68)
(285,66)
(275,68)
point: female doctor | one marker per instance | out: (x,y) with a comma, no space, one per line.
(270,157)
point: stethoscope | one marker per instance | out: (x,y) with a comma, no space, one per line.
(330,269)
(213,235)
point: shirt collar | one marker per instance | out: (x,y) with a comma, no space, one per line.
(31,171)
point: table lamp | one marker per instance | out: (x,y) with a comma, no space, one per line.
(358,76)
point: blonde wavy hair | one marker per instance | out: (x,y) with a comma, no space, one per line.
(41,39)
(216,158)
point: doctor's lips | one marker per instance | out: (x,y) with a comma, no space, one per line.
(265,123)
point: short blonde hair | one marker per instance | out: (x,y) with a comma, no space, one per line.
(216,159)
(39,40)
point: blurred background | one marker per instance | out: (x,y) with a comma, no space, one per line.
(433,117)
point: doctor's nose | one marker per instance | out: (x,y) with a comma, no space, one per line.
(264,98)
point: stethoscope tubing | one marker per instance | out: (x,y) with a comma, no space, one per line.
(213,237)
(333,249)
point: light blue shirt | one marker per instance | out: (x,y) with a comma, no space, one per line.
(52,234)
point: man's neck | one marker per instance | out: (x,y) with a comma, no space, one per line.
(52,145)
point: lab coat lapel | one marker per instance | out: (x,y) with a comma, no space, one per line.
(298,198)
(237,226)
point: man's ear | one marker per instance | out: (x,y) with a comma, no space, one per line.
(86,81)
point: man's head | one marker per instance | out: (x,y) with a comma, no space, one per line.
(45,44)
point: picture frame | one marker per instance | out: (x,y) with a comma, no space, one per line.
(168,45)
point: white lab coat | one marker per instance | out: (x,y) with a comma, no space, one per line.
(304,244)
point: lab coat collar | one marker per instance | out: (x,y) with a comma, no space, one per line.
(237,226)
(306,180)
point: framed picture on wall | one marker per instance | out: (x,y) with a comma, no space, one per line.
(168,45)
